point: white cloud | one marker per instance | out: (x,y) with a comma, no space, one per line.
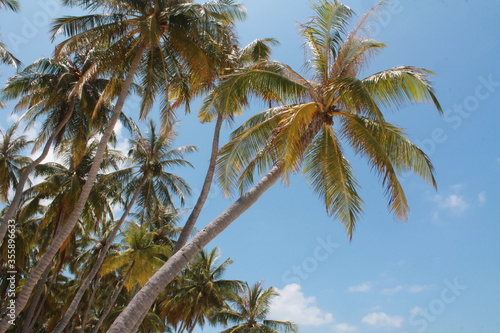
(345,328)
(294,306)
(453,203)
(383,320)
(416,310)
(417,288)
(481,197)
(362,288)
(392,291)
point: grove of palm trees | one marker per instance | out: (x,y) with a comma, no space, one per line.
(102,239)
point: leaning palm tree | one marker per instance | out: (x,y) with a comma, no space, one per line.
(11,160)
(318,115)
(249,312)
(147,181)
(157,40)
(198,292)
(231,58)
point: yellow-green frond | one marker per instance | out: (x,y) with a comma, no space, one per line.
(402,85)
(331,177)
(369,139)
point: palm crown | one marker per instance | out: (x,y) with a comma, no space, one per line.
(321,114)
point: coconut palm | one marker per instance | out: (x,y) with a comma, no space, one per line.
(249,312)
(155,36)
(11,160)
(148,182)
(198,292)
(332,108)
(231,58)
(139,259)
(65,94)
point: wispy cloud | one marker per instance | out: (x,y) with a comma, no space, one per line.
(382,320)
(293,305)
(417,288)
(345,328)
(362,288)
(482,198)
(392,291)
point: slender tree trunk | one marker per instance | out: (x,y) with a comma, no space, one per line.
(14,205)
(102,255)
(29,321)
(195,213)
(112,301)
(66,231)
(147,295)
(89,307)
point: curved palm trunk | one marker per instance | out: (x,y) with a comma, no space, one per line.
(30,320)
(146,296)
(89,307)
(102,255)
(112,301)
(195,213)
(66,231)
(14,205)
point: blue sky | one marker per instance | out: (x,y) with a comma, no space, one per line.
(439,272)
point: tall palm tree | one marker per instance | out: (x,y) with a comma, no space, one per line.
(231,58)
(146,182)
(198,292)
(279,139)
(249,312)
(155,36)
(65,94)
(11,160)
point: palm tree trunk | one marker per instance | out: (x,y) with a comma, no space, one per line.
(89,307)
(29,321)
(147,295)
(66,231)
(195,213)
(112,301)
(14,205)
(102,255)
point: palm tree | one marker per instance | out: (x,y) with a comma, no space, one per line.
(11,162)
(231,58)
(198,292)
(5,56)
(151,36)
(250,310)
(137,262)
(146,182)
(11,4)
(65,93)
(279,139)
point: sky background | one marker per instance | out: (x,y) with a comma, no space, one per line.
(438,272)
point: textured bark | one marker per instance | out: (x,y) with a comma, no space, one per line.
(66,231)
(100,259)
(30,321)
(14,205)
(147,295)
(205,190)
(89,307)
